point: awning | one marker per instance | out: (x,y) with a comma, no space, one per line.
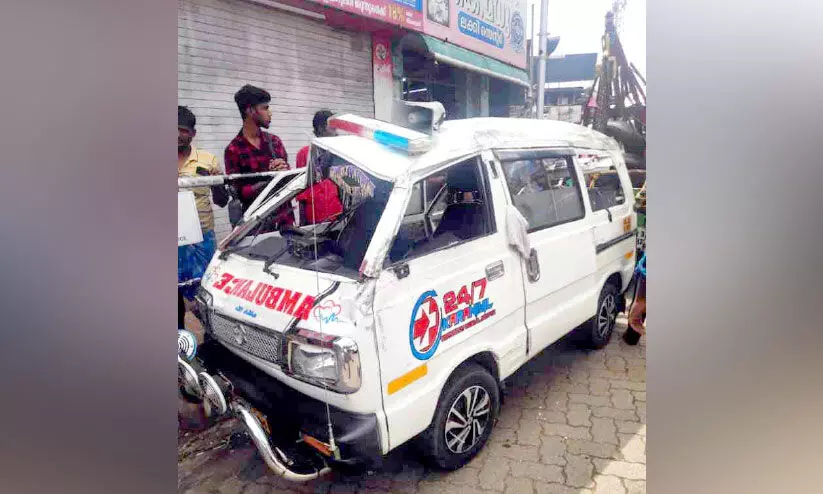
(456,56)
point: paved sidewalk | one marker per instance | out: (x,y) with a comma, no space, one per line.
(572,421)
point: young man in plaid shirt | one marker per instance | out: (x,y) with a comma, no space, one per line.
(254,150)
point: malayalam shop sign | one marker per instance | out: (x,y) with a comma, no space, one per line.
(404,13)
(496,28)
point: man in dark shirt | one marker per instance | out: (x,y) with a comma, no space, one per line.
(254,150)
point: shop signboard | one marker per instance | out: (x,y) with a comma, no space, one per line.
(404,13)
(495,28)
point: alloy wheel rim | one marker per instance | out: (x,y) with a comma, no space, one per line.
(606,316)
(467,419)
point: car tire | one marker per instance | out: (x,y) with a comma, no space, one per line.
(598,331)
(470,387)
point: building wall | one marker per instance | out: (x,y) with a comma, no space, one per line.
(305,64)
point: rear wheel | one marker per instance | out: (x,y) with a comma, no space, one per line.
(598,331)
(464,418)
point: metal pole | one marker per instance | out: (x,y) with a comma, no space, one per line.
(541,71)
(208,180)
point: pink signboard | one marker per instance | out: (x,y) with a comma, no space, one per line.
(407,14)
(496,28)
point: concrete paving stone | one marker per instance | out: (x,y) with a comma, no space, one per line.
(608,374)
(635,486)
(503,435)
(553,450)
(604,431)
(464,476)
(639,395)
(255,488)
(617,364)
(544,415)
(623,399)
(528,433)
(632,448)
(586,398)
(494,473)
(630,427)
(640,407)
(576,388)
(615,413)
(519,485)
(606,484)
(231,486)
(622,469)
(578,471)
(433,486)
(591,448)
(557,401)
(566,431)
(533,401)
(538,472)
(579,415)
(600,387)
(516,452)
(579,373)
(404,487)
(381,483)
(509,416)
(637,374)
(559,489)
(630,385)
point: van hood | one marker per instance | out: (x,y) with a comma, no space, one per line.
(240,289)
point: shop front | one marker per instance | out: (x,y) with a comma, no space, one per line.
(466,83)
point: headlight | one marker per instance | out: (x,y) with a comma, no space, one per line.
(204,302)
(324,360)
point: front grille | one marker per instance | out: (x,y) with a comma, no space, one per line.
(259,342)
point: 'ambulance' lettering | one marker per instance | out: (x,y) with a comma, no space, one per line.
(262,294)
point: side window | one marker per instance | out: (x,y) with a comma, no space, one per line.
(544,190)
(603,184)
(455,210)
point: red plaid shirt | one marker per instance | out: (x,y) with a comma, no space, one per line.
(242,157)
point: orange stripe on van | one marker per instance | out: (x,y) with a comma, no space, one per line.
(408,378)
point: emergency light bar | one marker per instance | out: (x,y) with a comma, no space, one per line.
(384,133)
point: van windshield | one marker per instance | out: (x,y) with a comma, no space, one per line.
(326,226)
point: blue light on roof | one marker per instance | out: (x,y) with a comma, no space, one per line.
(392,140)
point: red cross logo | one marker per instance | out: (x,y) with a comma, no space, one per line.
(426,325)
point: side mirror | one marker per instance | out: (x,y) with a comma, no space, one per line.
(401,270)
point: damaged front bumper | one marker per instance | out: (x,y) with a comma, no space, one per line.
(289,429)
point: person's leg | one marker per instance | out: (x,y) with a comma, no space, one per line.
(637,327)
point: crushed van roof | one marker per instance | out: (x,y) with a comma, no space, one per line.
(458,138)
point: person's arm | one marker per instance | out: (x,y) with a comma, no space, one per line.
(219,194)
(280,158)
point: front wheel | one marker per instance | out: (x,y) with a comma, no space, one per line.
(464,418)
(598,331)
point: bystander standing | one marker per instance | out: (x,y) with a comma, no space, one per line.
(192,260)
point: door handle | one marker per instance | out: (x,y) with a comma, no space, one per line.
(533,267)
(495,270)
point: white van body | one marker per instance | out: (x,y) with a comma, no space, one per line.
(537,271)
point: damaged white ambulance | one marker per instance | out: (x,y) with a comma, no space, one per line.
(461,252)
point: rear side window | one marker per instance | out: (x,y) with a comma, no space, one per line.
(545,190)
(603,183)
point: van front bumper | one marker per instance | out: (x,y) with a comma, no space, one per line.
(290,415)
